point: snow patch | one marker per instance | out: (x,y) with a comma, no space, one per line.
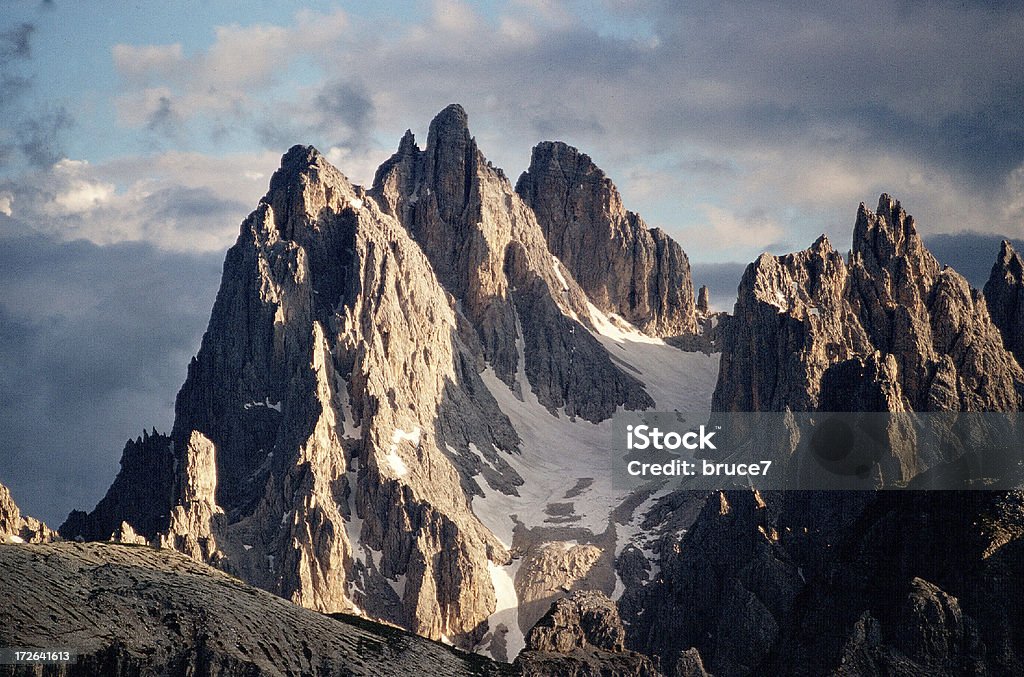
(341,396)
(356,203)
(506,610)
(15,539)
(266,403)
(394,460)
(617,328)
(565,286)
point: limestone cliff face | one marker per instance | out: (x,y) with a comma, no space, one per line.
(490,253)
(912,335)
(626,268)
(18,528)
(1004,293)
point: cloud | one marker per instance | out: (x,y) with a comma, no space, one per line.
(185,202)
(166,89)
(28,132)
(726,230)
(94,342)
(722,281)
(15,43)
(687,106)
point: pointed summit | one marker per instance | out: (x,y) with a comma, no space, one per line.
(407,146)
(450,122)
(1004,294)
(305,187)
(638,273)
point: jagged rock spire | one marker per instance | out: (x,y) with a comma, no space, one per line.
(626,268)
(1004,293)
(801,315)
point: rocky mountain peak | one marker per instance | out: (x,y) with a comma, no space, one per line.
(887,239)
(450,123)
(626,268)
(805,323)
(304,188)
(558,158)
(490,254)
(407,146)
(1004,294)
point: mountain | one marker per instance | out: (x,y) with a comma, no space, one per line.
(846,582)
(627,269)
(885,330)
(401,409)
(400,404)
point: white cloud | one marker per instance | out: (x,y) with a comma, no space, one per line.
(726,230)
(225,79)
(6,202)
(177,201)
(803,124)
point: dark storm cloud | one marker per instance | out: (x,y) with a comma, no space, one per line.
(15,43)
(94,342)
(164,119)
(722,280)
(943,82)
(348,105)
(40,136)
(182,203)
(970,254)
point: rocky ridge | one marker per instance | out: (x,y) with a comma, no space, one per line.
(888,317)
(18,528)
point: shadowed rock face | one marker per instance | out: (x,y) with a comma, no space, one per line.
(137,610)
(842,583)
(1004,293)
(142,490)
(638,273)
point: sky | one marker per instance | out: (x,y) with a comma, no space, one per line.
(135,137)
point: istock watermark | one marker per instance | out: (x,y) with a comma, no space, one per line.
(820,450)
